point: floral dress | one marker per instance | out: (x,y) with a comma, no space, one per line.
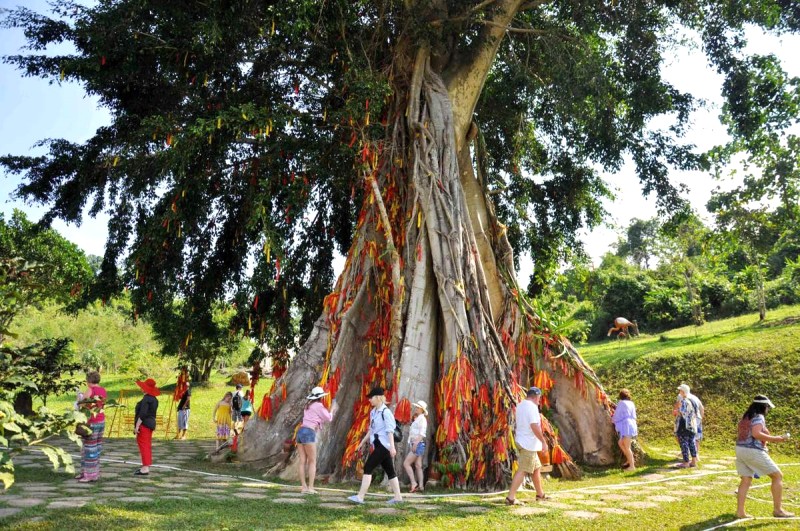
(223,419)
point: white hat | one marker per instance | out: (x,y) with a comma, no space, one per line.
(761,399)
(422,405)
(317,392)
(684,388)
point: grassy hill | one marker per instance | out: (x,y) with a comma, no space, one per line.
(725,362)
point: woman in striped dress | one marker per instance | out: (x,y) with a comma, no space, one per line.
(94,399)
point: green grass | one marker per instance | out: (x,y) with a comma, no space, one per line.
(693,511)
(725,362)
(204,398)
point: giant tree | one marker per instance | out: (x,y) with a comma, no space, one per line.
(423,139)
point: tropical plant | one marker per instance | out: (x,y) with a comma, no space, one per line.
(250,139)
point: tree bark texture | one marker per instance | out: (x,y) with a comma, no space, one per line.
(427,307)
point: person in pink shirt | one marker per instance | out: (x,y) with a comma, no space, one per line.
(315,415)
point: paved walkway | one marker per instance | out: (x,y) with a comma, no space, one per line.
(177,480)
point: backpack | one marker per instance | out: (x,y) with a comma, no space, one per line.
(237,402)
(398,430)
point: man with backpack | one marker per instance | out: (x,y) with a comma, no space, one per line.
(236,408)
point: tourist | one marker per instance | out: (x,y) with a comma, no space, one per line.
(381,435)
(624,420)
(183,412)
(236,408)
(685,413)
(752,459)
(530,440)
(94,398)
(314,416)
(145,423)
(416,446)
(247,408)
(222,417)
(701,412)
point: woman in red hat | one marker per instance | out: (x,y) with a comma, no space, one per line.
(145,423)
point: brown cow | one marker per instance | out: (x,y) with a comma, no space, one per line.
(621,325)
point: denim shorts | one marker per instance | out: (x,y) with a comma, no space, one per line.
(420,448)
(306,436)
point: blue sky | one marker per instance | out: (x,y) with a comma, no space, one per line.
(31,109)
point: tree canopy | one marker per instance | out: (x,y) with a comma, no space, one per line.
(228,168)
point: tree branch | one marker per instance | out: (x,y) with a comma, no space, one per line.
(465,82)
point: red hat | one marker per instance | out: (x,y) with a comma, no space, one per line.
(149,387)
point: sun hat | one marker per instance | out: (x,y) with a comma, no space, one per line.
(534,391)
(149,387)
(422,405)
(685,388)
(317,392)
(238,386)
(376,391)
(761,399)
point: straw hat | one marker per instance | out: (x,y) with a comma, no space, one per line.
(149,387)
(316,393)
(422,405)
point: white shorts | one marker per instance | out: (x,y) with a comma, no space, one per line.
(750,462)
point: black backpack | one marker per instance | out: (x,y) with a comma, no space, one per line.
(398,429)
(237,401)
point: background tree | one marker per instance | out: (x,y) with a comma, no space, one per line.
(639,242)
(259,136)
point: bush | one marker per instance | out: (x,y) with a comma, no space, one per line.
(667,308)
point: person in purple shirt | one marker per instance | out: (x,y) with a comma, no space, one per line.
(315,415)
(625,423)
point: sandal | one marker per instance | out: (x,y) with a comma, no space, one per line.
(79,476)
(783,514)
(85,480)
(509,501)
(413,489)
(543,497)
(140,473)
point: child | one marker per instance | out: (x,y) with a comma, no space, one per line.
(416,446)
(222,416)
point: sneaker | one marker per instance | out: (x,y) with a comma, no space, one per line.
(394,502)
(354,499)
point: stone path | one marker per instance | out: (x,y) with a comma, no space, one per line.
(119,486)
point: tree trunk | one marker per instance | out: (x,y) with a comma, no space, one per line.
(428,307)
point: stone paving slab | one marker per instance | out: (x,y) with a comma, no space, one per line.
(288,500)
(474,509)
(5,513)
(614,497)
(586,515)
(136,499)
(612,510)
(250,496)
(569,495)
(66,504)
(385,510)
(640,505)
(331,505)
(556,505)
(593,503)
(529,511)
(423,507)
(663,498)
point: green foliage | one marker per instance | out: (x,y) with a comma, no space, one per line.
(235,126)
(103,335)
(65,274)
(725,362)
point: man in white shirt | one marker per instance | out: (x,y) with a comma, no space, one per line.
(530,440)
